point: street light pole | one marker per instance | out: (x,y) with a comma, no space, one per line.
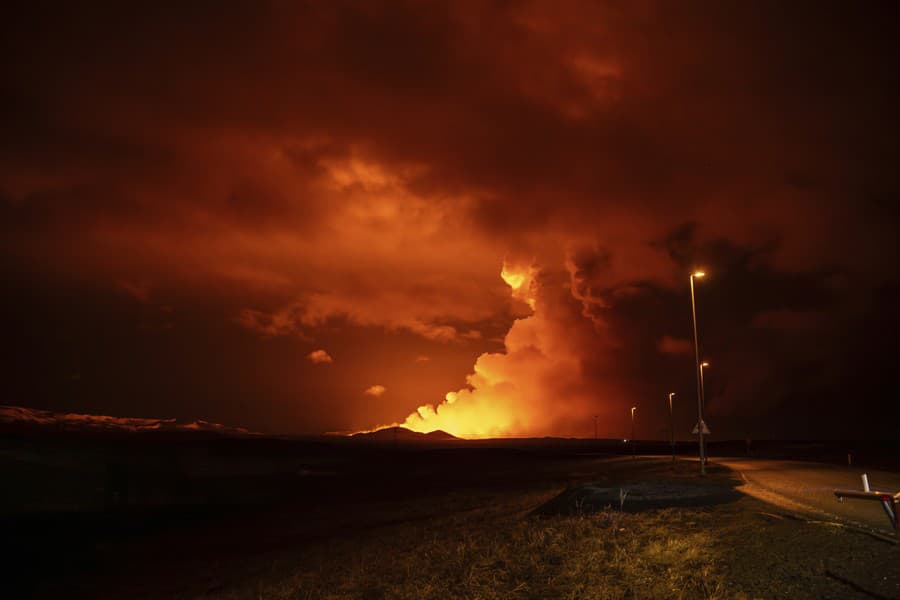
(703,365)
(672,425)
(698,274)
(595,427)
(633,450)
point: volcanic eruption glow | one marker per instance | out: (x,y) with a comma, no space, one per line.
(488,406)
(510,393)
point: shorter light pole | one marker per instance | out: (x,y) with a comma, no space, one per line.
(672,425)
(633,449)
(703,365)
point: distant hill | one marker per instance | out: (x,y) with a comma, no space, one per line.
(32,418)
(402,434)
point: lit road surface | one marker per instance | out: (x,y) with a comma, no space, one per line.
(802,486)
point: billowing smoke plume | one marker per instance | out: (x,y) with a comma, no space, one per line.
(537,385)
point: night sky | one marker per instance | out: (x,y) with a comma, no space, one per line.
(319,217)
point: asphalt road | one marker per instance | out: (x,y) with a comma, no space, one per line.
(809,487)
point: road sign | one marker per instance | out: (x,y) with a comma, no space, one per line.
(699,426)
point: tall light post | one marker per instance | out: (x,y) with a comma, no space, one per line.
(633,450)
(595,427)
(698,275)
(672,425)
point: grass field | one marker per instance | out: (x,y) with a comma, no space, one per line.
(276,520)
(501,552)
(502,549)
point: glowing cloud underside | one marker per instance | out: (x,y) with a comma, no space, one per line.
(522,283)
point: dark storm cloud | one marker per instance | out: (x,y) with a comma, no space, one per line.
(783,345)
(301,167)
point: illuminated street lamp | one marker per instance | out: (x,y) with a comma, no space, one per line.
(672,425)
(698,275)
(633,451)
(703,365)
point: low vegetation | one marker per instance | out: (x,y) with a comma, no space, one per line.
(505,552)
(497,546)
(257,519)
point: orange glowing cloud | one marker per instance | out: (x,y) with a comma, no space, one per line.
(319,357)
(521,279)
(375,390)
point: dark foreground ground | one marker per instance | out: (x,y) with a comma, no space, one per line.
(148,517)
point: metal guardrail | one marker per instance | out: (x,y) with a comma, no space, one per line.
(890,501)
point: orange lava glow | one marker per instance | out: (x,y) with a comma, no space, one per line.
(507,392)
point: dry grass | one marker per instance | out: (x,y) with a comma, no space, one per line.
(503,552)
(491,545)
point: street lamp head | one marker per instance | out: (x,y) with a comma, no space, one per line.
(704,364)
(633,408)
(671,394)
(699,274)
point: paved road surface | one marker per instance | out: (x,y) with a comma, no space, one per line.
(809,487)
